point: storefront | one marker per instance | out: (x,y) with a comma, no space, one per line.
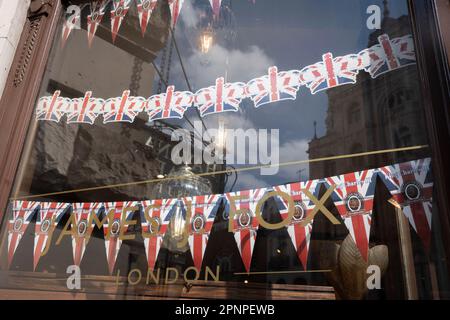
(251,149)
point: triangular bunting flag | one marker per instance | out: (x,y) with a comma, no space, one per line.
(50,213)
(300,234)
(203,213)
(215,4)
(84,224)
(353,198)
(155,218)
(245,223)
(95,18)
(411,186)
(117,214)
(70,23)
(118,12)
(22,213)
(175,9)
(145,8)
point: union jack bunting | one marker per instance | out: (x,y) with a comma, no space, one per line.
(388,55)
(95,18)
(220,98)
(331,72)
(145,9)
(411,186)
(215,5)
(175,9)
(245,223)
(84,224)
(70,23)
(203,213)
(155,218)
(85,110)
(172,104)
(117,214)
(123,109)
(118,12)
(300,235)
(22,213)
(276,86)
(50,213)
(52,108)
(353,198)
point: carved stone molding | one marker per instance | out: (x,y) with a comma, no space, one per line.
(40,7)
(27,50)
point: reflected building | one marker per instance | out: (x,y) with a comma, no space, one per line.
(373,114)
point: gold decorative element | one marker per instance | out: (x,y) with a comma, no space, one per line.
(349,270)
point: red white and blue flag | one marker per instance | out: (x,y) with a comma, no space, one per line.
(353,198)
(276,86)
(175,9)
(215,5)
(118,12)
(70,23)
(245,223)
(84,224)
(22,213)
(411,186)
(95,18)
(50,213)
(145,9)
(85,110)
(220,98)
(117,214)
(388,55)
(331,72)
(300,234)
(203,213)
(172,104)
(52,108)
(155,219)
(123,109)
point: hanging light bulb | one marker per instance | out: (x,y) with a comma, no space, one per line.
(178,223)
(206,40)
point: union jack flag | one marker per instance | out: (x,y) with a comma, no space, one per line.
(215,5)
(331,72)
(123,109)
(204,210)
(118,12)
(52,108)
(300,234)
(95,18)
(85,110)
(117,214)
(245,223)
(276,86)
(175,9)
(50,213)
(155,218)
(84,224)
(69,24)
(411,186)
(22,213)
(145,9)
(220,98)
(353,198)
(388,55)
(172,104)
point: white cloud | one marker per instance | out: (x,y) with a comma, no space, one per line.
(294,150)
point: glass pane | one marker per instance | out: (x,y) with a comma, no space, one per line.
(154,113)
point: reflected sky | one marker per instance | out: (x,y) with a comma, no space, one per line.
(252,37)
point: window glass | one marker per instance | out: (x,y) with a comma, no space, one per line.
(181,105)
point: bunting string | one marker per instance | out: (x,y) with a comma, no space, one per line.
(409,183)
(275,86)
